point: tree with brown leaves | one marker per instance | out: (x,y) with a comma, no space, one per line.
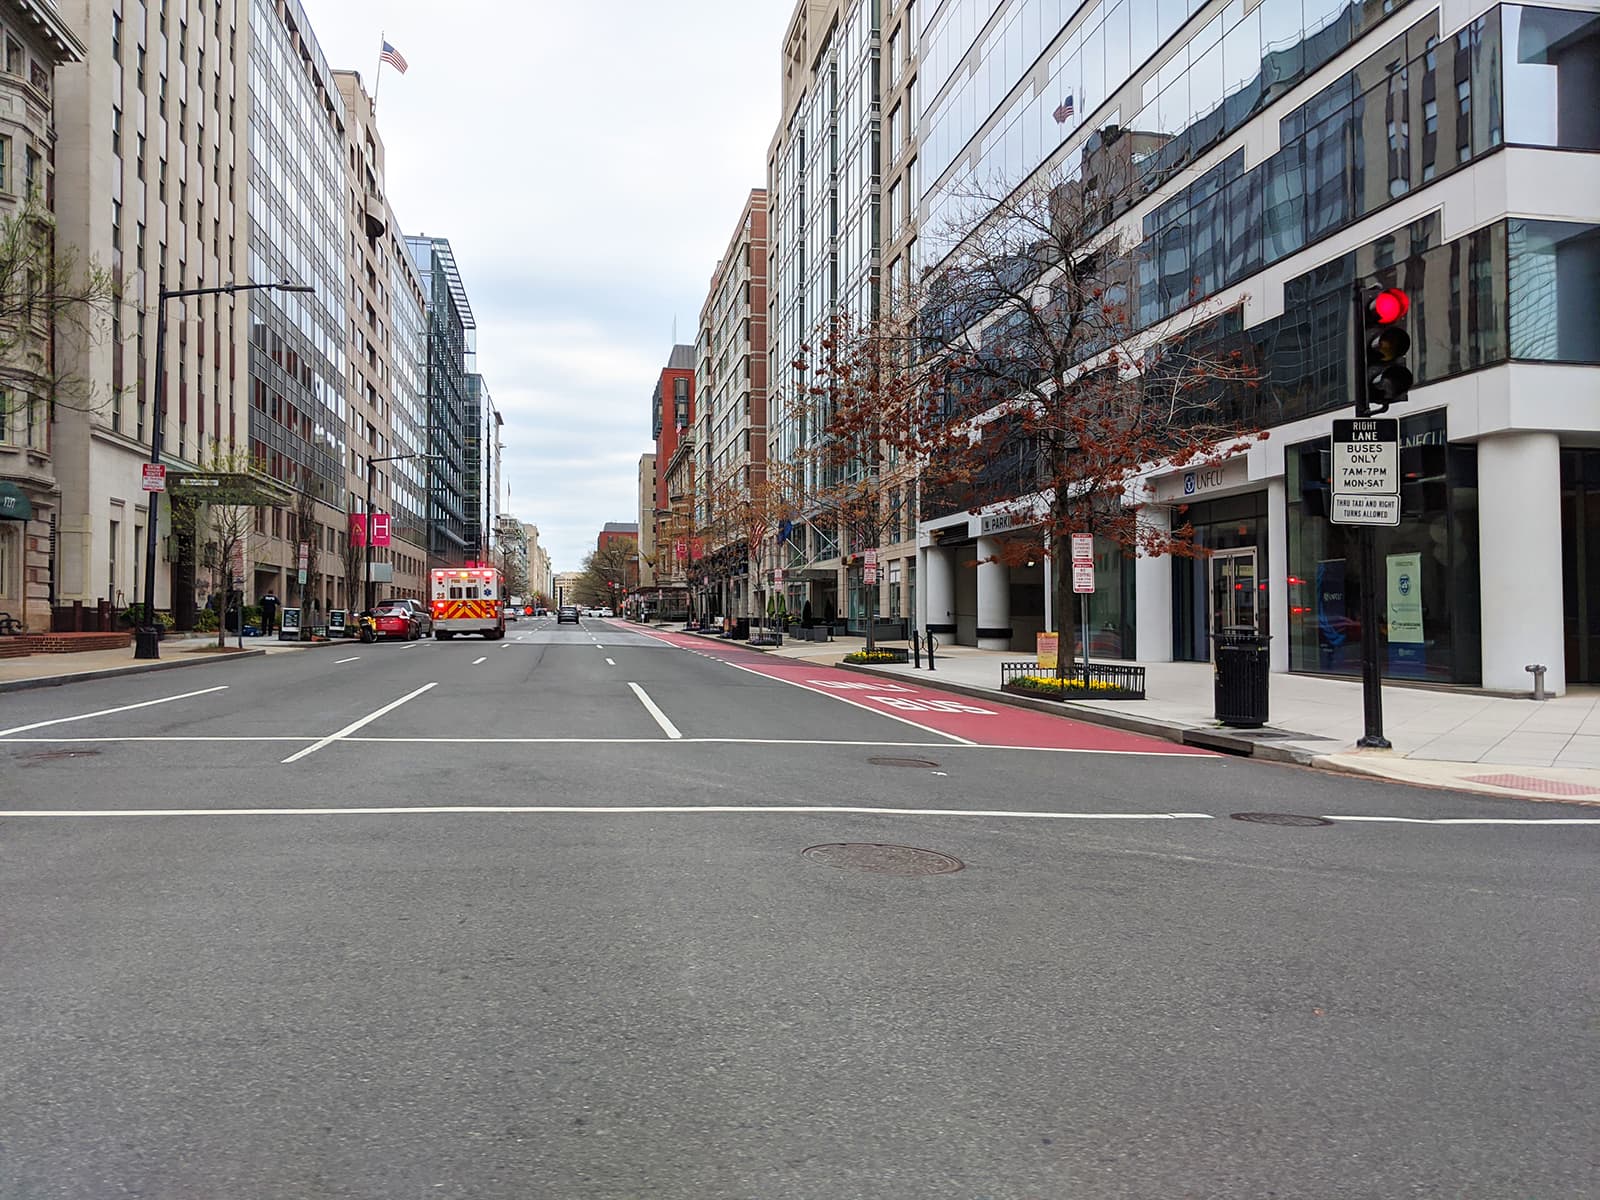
(862,415)
(1066,401)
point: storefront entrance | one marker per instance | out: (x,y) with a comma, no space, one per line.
(1235,590)
(1580,563)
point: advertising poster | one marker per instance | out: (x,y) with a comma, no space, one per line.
(1046,648)
(1407,647)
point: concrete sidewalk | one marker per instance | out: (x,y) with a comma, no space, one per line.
(1492,744)
(48,670)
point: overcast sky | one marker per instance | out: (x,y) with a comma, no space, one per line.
(587,163)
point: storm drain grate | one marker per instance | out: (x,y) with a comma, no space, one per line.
(880,859)
(921,763)
(1280,819)
(34,758)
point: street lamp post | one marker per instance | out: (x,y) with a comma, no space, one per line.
(366,522)
(147,640)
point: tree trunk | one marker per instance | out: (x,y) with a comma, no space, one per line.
(1065,615)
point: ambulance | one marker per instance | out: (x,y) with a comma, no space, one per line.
(467,599)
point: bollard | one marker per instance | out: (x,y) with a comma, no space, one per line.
(916,650)
(1537,670)
(932,642)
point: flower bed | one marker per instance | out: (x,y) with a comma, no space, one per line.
(1108,682)
(879,656)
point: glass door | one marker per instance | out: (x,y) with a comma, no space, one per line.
(1235,591)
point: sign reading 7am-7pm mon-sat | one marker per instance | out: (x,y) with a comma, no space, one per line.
(1365,477)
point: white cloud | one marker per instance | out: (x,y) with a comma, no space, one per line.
(587,163)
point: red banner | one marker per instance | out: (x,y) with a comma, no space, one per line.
(697,549)
(380,530)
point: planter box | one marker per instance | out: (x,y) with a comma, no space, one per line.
(895,655)
(1109,681)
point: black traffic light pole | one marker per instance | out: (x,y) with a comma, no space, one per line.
(1378,341)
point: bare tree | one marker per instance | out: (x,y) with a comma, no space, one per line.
(605,574)
(1063,398)
(863,414)
(50,302)
(218,519)
(309,534)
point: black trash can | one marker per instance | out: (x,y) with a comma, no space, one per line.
(1242,668)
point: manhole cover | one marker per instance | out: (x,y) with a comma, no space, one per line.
(1279,819)
(34,758)
(882,860)
(921,763)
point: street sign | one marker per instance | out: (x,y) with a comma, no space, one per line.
(777,576)
(155,477)
(869,567)
(305,559)
(197,481)
(1083,578)
(302,574)
(1082,549)
(1365,479)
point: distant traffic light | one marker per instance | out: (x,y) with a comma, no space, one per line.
(1386,379)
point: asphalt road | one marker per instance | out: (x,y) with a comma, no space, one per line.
(229,968)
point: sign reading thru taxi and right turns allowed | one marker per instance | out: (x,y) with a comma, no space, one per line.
(1365,479)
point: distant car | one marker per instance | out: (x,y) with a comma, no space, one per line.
(566,613)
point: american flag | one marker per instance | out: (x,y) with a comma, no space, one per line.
(1064,110)
(758,533)
(393,57)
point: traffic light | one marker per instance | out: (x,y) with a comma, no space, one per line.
(1385,377)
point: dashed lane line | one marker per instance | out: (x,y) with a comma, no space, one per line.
(339,662)
(484,659)
(667,727)
(611,662)
(601,810)
(106,712)
(359,724)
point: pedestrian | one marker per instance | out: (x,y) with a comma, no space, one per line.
(269,611)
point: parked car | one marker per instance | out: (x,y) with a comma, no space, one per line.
(566,613)
(395,621)
(420,619)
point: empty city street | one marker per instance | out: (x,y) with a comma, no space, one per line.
(599,911)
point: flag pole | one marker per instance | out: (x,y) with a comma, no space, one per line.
(377,79)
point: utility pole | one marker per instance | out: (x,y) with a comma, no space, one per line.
(147,639)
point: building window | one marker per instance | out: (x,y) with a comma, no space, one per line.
(111,562)
(138,161)
(116,130)
(13,56)
(116,37)
(32,165)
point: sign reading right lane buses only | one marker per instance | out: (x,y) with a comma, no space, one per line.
(1365,483)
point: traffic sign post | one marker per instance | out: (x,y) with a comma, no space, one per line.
(1364,487)
(1083,585)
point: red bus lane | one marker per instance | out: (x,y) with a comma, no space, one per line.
(978,721)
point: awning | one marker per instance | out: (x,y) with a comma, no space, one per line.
(14,506)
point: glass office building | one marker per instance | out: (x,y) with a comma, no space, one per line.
(449,355)
(1284,157)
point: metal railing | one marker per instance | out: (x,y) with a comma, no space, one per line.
(1107,681)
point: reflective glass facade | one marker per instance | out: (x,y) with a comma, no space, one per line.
(408,418)
(449,325)
(297,232)
(826,219)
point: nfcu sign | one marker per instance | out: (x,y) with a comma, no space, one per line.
(1200,481)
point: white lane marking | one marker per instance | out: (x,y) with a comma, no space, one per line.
(611,662)
(359,724)
(1471,820)
(667,727)
(106,712)
(599,741)
(602,810)
(341,661)
(505,645)
(484,659)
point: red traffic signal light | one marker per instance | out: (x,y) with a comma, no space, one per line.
(1388,306)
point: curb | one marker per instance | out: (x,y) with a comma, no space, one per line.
(1186,735)
(44,681)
